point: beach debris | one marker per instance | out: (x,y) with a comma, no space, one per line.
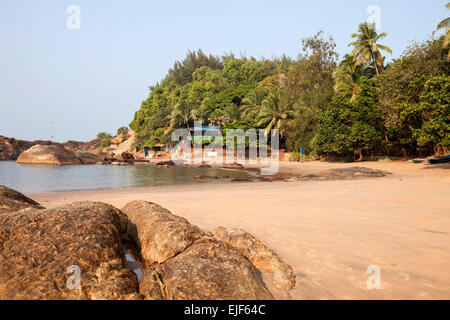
(183,262)
(42,251)
(12,200)
(260,255)
(54,154)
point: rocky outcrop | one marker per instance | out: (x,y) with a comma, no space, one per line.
(158,234)
(209,269)
(345,173)
(260,255)
(38,246)
(11,148)
(183,262)
(11,200)
(80,146)
(48,154)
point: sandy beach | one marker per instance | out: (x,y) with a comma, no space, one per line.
(329,231)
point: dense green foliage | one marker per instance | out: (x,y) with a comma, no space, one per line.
(354,108)
(351,127)
(122,131)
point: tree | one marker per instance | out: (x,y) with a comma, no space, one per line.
(402,84)
(346,76)
(445,24)
(103,135)
(180,117)
(122,131)
(429,118)
(351,128)
(367,50)
(310,88)
(275,113)
(251,104)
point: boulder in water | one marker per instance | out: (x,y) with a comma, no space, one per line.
(89,158)
(54,154)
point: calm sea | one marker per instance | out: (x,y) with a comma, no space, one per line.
(40,178)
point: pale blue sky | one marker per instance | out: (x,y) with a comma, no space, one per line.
(74,83)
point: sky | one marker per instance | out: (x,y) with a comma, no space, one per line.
(70,83)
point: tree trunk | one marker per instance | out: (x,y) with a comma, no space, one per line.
(374,62)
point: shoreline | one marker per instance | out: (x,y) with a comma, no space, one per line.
(330,232)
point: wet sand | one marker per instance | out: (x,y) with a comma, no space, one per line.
(329,231)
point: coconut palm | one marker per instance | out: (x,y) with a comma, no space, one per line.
(367,50)
(200,114)
(445,24)
(180,117)
(275,113)
(232,113)
(251,104)
(347,74)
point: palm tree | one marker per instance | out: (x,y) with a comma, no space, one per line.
(232,112)
(251,104)
(445,24)
(180,116)
(200,114)
(275,113)
(367,50)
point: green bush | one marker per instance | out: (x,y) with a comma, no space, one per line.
(123,131)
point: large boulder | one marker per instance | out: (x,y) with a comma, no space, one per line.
(11,200)
(183,262)
(158,234)
(48,154)
(40,251)
(209,269)
(260,255)
(89,158)
(10,148)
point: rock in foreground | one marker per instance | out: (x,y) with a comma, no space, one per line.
(209,269)
(159,234)
(48,154)
(183,262)
(11,200)
(38,246)
(260,255)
